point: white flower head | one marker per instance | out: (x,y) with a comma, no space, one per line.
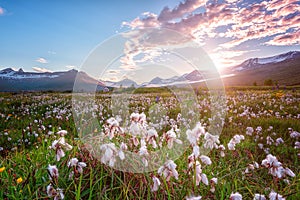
(156,184)
(236,196)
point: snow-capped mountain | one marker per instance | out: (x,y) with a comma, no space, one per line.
(254,63)
(13,80)
(283,68)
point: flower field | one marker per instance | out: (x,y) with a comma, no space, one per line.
(257,155)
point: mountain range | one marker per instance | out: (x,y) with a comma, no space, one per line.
(283,68)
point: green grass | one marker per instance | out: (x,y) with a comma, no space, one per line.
(52,112)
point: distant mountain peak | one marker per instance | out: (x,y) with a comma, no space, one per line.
(254,63)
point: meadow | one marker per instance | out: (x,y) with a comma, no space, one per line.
(255,157)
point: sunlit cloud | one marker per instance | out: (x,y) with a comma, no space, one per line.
(41,60)
(38,69)
(286,39)
(71,67)
(238,21)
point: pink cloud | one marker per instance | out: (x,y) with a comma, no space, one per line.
(41,60)
(38,69)
(182,9)
(256,21)
(286,39)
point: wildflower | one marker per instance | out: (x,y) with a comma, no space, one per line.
(58,146)
(78,166)
(171,138)
(213,182)
(123,147)
(151,136)
(294,134)
(249,131)
(259,197)
(297,145)
(236,196)
(168,170)
(62,133)
(222,149)
(56,193)
(156,184)
(274,196)
(205,159)
(144,152)
(279,141)
(109,154)
(2,169)
(275,167)
(235,140)
(211,141)
(193,198)
(19,180)
(193,135)
(53,172)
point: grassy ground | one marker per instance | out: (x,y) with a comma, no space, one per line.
(28,123)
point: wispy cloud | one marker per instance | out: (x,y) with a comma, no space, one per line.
(41,60)
(286,39)
(52,52)
(2,10)
(71,67)
(38,69)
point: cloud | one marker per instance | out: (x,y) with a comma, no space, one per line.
(38,69)
(41,60)
(2,11)
(286,39)
(230,23)
(52,52)
(71,66)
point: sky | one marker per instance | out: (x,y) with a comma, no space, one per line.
(59,35)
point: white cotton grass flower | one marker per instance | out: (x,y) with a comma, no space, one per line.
(78,166)
(194,134)
(53,172)
(62,133)
(109,154)
(251,167)
(171,138)
(59,146)
(211,141)
(294,134)
(151,137)
(222,150)
(236,196)
(234,141)
(123,147)
(274,196)
(279,141)
(168,170)
(297,145)
(259,197)
(143,152)
(213,183)
(156,184)
(194,198)
(205,159)
(249,131)
(57,193)
(275,167)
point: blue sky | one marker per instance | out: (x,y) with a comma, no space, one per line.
(58,35)
(62,32)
